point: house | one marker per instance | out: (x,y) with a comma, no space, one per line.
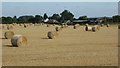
(80,21)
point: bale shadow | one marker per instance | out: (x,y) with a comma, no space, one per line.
(44,38)
(7,45)
(2,38)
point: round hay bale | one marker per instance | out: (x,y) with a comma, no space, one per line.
(62,26)
(48,25)
(102,25)
(0,26)
(86,24)
(8,34)
(53,24)
(11,27)
(20,24)
(8,27)
(18,40)
(108,25)
(94,28)
(3,26)
(98,27)
(58,28)
(52,34)
(88,28)
(65,25)
(74,27)
(25,25)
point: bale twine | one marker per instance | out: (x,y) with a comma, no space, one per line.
(52,34)
(8,34)
(18,40)
(108,25)
(88,28)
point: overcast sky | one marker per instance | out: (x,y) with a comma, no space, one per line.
(91,9)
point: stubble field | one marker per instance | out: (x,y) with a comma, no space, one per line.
(72,47)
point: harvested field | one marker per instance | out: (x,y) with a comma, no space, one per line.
(72,47)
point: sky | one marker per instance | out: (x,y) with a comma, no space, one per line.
(60,0)
(90,9)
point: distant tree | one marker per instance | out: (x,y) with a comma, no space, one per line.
(83,18)
(56,17)
(116,18)
(24,19)
(45,16)
(15,19)
(7,20)
(38,18)
(66,15)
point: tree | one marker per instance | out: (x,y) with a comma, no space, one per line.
(83,18)
(116,18)
(7,20)
(38,18)
(15,19)
(45,16)
(66,15)
(56,17)
(24,19)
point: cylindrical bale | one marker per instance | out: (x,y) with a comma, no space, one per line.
(108,25)
(8,27)
(3,26)
(18,40)
(65,25)
(98,27)
(48,25)
(53,24)
(0,26)
(86,24)
(95,28)
(88,28)
(8,34)
(101,25)
(62,26)
(58,28)
(25,25)
(52,34)
(11,27)
(76,26)
(20,24)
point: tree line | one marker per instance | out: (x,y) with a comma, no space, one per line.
(64,16)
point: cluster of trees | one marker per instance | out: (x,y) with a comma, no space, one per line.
(64,16)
